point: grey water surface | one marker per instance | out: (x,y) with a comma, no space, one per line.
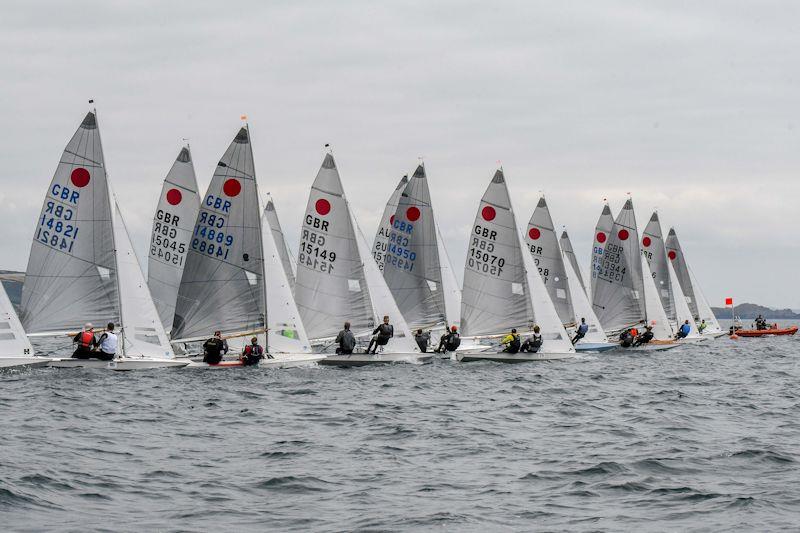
(703,437)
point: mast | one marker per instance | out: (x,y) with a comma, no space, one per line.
(261,242)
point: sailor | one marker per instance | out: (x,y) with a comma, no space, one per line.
(450,341)
(761,323)
(626,338)
(381,337)
(107,343)
(214,348)
(645,337)
(252,353)
(684,330)
(86,343)
(511,342)
(534,342)
(423,339)
(701,327)
(581,332)
(634,332)
(346,341)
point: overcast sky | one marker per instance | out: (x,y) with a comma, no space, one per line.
(692,107)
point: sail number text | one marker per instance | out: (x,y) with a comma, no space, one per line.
(313,252)
(481,256)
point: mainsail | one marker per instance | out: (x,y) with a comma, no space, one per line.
(582,307)
(569,255)
(13,341)
(173,224)
(543,245)
(287,259)
(337,279)
(675,255)
(682,311)
(601,233)
(413,266)
(382,236)
(222,287)
(653,250)
(654,312)
(618,286)
(502,286)
(71,274)
(286,331)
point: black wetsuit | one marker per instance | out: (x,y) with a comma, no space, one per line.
(423,339)
(384,333)
(514,345)
(449,342)
(253,353)
(532,344)
(346,341)
(214,348)
(644,338)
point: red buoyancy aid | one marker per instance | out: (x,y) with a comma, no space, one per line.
(249,349)
(86,339)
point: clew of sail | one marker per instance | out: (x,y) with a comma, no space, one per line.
(656,255)
(287,259)
(71,273)
(543,244)
(173,225)
(569,255)
(618,284)
(222,287)
(381,242)
(601,234)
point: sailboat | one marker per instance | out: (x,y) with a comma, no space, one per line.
(15,348)
(173,224)
(288,262)
(82,266)
(381,243)
(417,268)
(502,285)
(569,256)
(699,306)
(622,296)
(601,233)
(338,280)
(561,280)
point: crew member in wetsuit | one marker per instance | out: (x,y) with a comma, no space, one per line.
(701,327)
(346,341)
(86,343)
(214,349)
(252,353)
(381,337)
(626,338)
(534,342)
(645,337)
(450,341)
(511,342)
(581,332)
(684,330)
(107,343)
(423,339)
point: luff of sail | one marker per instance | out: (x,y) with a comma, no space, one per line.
(618,284)
(656,255)
(450,286)
(412,267)
(71,273)
(380,244)
(569,255)
(222,287)
(675,255)
(543,245)
(287,260)
(601,233)
(173,225)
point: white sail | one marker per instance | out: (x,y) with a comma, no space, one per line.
(287,259)
(601,233)
(222,287)
(543,244)
(412,266)
(569,255)
(682,311)
(675,255)
(656,255)
(143,333)
(654,312)
(582,307)
(618,291)
(450,287)
(703,307)
(381,242)
(13,341)
(285,328)
(173,225)
(71,274)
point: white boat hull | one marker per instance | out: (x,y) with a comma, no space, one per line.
(21,362)
(126,363)
(364,359)
(595,346)
(502,357)
(280,360)
(651,347)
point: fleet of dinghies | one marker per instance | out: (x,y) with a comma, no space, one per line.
(220,262)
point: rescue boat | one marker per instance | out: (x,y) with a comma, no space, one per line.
(773,330)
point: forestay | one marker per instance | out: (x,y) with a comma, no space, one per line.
(654,312)
(653,250)
(618,291)
(223,282)
(287,259)
(450,286)
(286,333)
(13,341)
(382,236)
(173,225)
(675,255)
(601,233)
(71,274)
(682,311)
(569,255)
(543,244)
